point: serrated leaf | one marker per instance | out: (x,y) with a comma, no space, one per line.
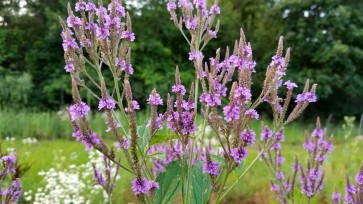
(144,136)
(201,185)
(170,184)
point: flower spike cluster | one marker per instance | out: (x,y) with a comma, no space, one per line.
(12,193)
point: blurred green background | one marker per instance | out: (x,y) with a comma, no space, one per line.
(326,40)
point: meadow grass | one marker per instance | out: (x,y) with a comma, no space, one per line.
(254,188)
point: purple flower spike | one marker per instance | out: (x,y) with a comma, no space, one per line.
(290,85)
(155,99)
(143,186)
(231,112)
(211,167)
(266,134)
(215,9)
(239,154)
(248,136)
(78,111)
(128,35)
(252,113)
(171,6)
(107,103)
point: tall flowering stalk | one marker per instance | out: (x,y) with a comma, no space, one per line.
(13,191)
(96,38)
(310,178)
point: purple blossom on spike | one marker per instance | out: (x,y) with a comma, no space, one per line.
(231,112)
(239,154)
(248,136)
(274,187)
(128,35)
(79,110)
(336,197)
(318,132)
(309,146)
(242,94)
(280,175)
(279,136)
(120,10)
(211,167)
(134,106)
(142,186)
(123,65)
(290,85)
(212,33)
(102,32)
(155,99)
(191,24)
(81,6)
(126,143)
(178,88)
(359,178)
(266,134)
(91,7)
(280,159)
(188,105)
(77,134)
(309,97)
(74,22)
(171,6)
(93,137)
(9,164)
(69,67)
(215,9)
(97,176)
(195,56)
(69,44)
(106,103)
(252,113)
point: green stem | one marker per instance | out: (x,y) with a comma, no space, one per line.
(223,184)
(240,177)
(124,122)
(183,175)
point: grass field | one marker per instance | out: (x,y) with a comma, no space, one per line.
(60,154)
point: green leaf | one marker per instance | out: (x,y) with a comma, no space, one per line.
(201,185)
(170,183)
(144,136)
(157,138)
(218,158)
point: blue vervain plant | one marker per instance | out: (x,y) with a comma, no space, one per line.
(180,161)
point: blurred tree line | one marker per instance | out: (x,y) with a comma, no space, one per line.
(326,38)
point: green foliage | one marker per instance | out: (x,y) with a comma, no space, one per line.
(169,182)
(326,39)
(14,89)
(201,185)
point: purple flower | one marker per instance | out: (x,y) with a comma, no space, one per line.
(195,55)
(314,174)
(212,33)
(141,186)
(69,44)
(309,146)
(318,132)
(231,112)
(93,137)
(79,110)
(107,103)
(123,65)
(252,113)
(280,175)
(9,163)
(97,176)
(171,6)
(74,22)
(248,136)
(336,197)
(155,99)
(188,105)
(242,94)
(69,67)
(77,134)
(134,106)
(178,88)
(309,97)
(290,85)
(81,6)
(274,187)
(359,178)
(215,9)
(280,159)
(120,10)
(128,35)
(185,4)
(126,143)
(91,6)
(191,24)
(103,32)
(211,167)
(210,99)
(266,134)
(279,62)
(279,136)
(239,154)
